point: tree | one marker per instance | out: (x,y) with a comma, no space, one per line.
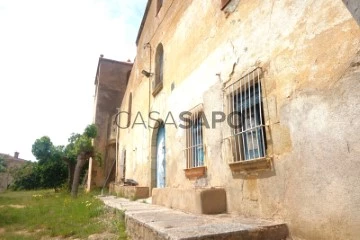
(51,167)
(70,158)
(43,149)
(26,177)
(2,164)
(80,146)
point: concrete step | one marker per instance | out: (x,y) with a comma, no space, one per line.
(147,221)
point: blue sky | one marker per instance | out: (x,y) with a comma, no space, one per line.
(48,57)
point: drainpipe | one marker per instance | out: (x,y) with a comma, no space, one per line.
(148,45)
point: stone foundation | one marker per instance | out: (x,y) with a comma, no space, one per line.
(148,221)
(200,200)
(132,192)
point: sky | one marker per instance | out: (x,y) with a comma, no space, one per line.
(49,50)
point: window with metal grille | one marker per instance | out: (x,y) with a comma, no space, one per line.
(194,141)
(245,107)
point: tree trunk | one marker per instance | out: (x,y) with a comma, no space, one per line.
(71,169)
(81,160)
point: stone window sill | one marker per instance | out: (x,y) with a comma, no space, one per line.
(249,166)
(157,89)
(196,172)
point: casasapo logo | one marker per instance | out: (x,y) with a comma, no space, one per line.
(186,119)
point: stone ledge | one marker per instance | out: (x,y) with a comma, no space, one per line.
(249,166)
(132,192)
(147,221)
(204,200)
(194,173)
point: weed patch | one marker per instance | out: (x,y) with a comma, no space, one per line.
(35,214)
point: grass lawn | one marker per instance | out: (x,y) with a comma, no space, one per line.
(45,214)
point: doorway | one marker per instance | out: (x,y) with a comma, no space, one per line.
(160,157)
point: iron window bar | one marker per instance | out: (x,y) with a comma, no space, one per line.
(194,151)
(247,138)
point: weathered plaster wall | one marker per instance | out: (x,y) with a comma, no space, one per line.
(308,51)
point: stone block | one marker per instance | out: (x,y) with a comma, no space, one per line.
(200,200)
(132,192)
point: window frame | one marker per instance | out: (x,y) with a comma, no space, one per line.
(195,160)
(250,115)
(252,132)
(159,70)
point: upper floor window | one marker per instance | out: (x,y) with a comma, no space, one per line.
(159,68)
(113,127)
(246,111)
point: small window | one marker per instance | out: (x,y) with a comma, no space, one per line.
(159,68)
(113,127)
(246,112)
(194,141)
(158,6)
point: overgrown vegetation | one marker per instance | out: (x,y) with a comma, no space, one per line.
(56,164)
(44,213)
(48,172)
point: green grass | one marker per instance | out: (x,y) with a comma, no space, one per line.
(33,214)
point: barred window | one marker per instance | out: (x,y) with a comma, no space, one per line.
(194,141)
(245,107)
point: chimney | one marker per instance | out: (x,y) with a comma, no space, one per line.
(16,155)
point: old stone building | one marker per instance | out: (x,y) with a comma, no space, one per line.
(290,72)
(12,162)
(110,84)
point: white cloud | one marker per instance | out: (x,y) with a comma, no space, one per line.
(48,58)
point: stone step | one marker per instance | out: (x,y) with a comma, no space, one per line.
(147,221)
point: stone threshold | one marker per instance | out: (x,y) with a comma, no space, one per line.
(148,221)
